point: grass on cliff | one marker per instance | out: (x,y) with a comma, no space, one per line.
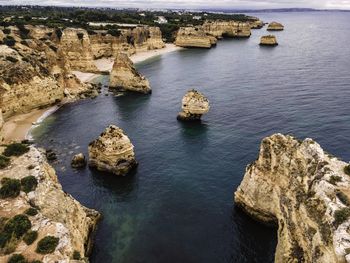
(16,149)
(17,258)
(347,169)
(31,211)
(47,245)
(334,179)
(28,184)
(4,161)
(10,188)
(341,215)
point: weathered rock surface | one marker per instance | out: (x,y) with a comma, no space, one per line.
(124,76)
(194,105)
(145,38)
(76,48)
(275,26)
(269,40)
(194,37)
(306,192)
(256,24)
(221,29)
(112,152)
(78,161)
(59,214)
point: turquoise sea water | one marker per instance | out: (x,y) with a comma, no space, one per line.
(178,205)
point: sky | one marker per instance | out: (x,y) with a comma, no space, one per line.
(188,4)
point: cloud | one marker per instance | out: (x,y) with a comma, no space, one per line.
(342,4)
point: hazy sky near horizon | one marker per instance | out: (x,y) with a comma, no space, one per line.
(234,4)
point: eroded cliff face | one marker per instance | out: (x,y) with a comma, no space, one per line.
(306,192)
(76,48)
(124,76)
(221,29)
(194,37)
(58,213)
(194,105)
(145,38)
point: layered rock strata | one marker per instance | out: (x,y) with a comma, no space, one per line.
(194,37)
(57,213)
(112,152)
(221,29)
(275,26)
(124,76)
(305,191)
(269,40)
(194,105)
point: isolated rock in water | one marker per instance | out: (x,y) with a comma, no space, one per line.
(269,40)
(274,26)
(306,192)
(124,76)
(78,161)
(194,105)
(194,37)
(112,152)
(50,155)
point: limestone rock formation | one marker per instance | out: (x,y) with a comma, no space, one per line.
(256,24)
(275,26)
(297,185)
(221,29)
(194,37)
(76,48)
(194,105)
(78,161)
(58,213)
(112,152)
(124,76)
(269,40)
(146,38)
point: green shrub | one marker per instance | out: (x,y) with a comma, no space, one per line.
(7,31)
(11,59)
(76,255)
(36,261)
(4,161)
(347,169)
(17,258)
(31,211)
(9,41)
(10,188)
(343,198)
(47,245)
(30,237)
(16,149)
(334,179)
(4,238)
(341,215)
(28,183)
(18,225)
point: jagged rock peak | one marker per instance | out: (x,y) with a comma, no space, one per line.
(297,185)
(194,105)
(124,76)
(112,152)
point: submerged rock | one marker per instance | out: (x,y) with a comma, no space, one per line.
(112,152)
(304,190)
(275,26)
(194,105)
(269,40)
(124,76)
(78,161)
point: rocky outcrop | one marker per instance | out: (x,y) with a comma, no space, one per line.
(256,24)
(78,161)
(56,213)
(76,48)
(124,76)
(194,105)
(194,37)
(221,29)
(304,190)
(112,152)
(275,26)
(269,40)
(145,38)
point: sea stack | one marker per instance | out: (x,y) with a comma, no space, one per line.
(275,26)
(124,76)
(269,40)
(78,161)
(112,152)
(305,191)
(194,105)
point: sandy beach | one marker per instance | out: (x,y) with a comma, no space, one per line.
(17,127)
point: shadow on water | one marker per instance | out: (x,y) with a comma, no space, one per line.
(192,129)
